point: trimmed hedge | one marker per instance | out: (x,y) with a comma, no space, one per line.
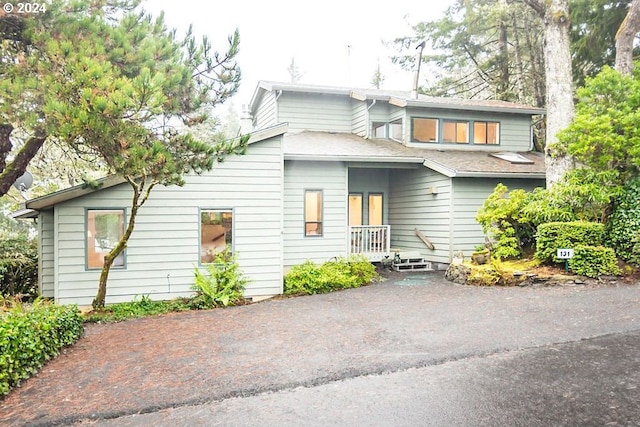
(623,228)
(311,278)
(558,235)
(31,335)
(594,261)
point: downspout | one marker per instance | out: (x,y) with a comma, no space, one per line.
(373,102)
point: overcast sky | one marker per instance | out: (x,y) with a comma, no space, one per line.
(334,42)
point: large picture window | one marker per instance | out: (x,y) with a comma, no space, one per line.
(455,131)
(216,233)
(486,133)
(105,228)
(313,213)
(424,130)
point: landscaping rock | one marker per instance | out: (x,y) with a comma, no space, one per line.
(457,273)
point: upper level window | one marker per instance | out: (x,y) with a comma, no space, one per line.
(391,130)
(105,228)
(379,129)
(486,132)
(313,213)
(216,233)
(455,131)
(424,130)
(395,130)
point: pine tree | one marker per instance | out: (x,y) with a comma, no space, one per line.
(106,79)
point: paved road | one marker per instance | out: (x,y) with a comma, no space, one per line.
(593,382)
(413,351)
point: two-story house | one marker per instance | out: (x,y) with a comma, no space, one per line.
(329,171)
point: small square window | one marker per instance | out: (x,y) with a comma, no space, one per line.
(379,129)
(395,130)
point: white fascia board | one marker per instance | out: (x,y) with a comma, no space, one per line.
(49,200)
(270,132)
(440,168)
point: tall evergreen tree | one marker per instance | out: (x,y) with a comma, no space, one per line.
(105,79)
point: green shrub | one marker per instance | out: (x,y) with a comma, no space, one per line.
(311,278)
(623,228)
(221,285)
(31,335)
(502,219)
(558,235)
(594,261)
(19,267)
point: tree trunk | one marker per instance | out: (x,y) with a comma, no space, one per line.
(537,77)
(518,57)
(624,39)
(13,170)
(504,83)
(137,202)
(559,82)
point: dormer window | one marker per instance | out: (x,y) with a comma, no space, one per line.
(451,131)
(424,130)
(379,129)
(486,132)
(395,130)
(392,130)
(455,131)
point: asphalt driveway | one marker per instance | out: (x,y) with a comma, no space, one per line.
(145,365)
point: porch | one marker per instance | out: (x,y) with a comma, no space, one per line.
(371,241)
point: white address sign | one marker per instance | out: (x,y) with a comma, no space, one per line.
(565,253)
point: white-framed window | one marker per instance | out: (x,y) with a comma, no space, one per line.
(395,130)
(105,228)
(216,233)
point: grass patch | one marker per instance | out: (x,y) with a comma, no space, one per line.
(139,307)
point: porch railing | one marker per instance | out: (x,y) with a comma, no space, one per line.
(372,241)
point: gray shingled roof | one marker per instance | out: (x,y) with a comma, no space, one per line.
(329,146)
(402,98)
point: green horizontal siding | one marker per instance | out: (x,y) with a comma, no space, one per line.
(470,194)
(331,178)
(412,207)
(166,240)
